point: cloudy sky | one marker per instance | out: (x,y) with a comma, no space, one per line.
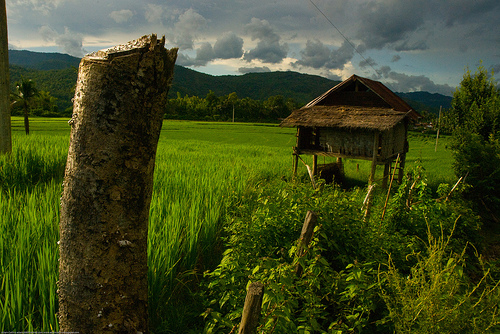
(410,45)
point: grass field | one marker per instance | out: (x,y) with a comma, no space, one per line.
(201,169)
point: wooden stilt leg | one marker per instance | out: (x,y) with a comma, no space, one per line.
(401,167)
(295,164)
(340,163)
(315,165)
(374,159)
(387,168)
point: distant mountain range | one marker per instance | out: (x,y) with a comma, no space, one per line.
(56,73)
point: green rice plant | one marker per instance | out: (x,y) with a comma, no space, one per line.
(35,159)
(195,184)
(28,258)
(204,176)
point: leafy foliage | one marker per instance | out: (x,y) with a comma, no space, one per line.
(224,108)
(343,287)
(59,83)
(476,107)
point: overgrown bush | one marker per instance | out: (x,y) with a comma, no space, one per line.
(437,296)
(350,282)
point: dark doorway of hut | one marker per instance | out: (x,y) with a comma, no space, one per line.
(334,172)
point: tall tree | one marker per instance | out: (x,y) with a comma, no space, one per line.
(470,104)
(25,91)
(476,142)
(5,131)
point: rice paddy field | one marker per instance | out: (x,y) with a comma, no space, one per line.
(201,170)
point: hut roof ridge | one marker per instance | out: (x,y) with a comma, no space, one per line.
(376,87)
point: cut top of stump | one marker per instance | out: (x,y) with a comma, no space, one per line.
(145,42)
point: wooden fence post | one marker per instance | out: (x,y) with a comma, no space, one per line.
(305,237)
(117,117)
(252,308)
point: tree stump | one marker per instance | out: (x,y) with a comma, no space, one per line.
(117,117)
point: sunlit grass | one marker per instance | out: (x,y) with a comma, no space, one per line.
(201,170)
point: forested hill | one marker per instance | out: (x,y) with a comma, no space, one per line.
(258,86)
(56,73)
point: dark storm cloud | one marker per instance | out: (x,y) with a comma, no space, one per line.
(387,22)
(204,54)
(269,49)
(496,69)
(228,46)
(401,82)
(464,11)
(367,62)
(410,25)
(317,55)
(438,36)
(411,46)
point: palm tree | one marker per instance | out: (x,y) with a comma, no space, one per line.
(25,91)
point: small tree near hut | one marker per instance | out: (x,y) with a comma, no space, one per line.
(476,141)
(117,117)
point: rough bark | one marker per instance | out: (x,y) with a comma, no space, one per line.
(5,130)
(117,116)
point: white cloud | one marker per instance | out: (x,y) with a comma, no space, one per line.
(69,42)
(317,55)
(189,25)
(154,13)
(121,16)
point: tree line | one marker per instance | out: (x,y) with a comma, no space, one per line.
(229,108)
(26,99)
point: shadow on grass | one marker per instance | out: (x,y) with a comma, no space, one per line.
(23,170)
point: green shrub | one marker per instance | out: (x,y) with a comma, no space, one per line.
(437,296)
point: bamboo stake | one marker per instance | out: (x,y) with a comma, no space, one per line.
(367,203)
(390,186)
(439,125)
(309,170)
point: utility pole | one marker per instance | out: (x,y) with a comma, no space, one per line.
(5,126)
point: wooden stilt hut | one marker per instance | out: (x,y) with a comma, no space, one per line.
(359,119)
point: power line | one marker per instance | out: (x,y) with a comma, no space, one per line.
(346,39)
